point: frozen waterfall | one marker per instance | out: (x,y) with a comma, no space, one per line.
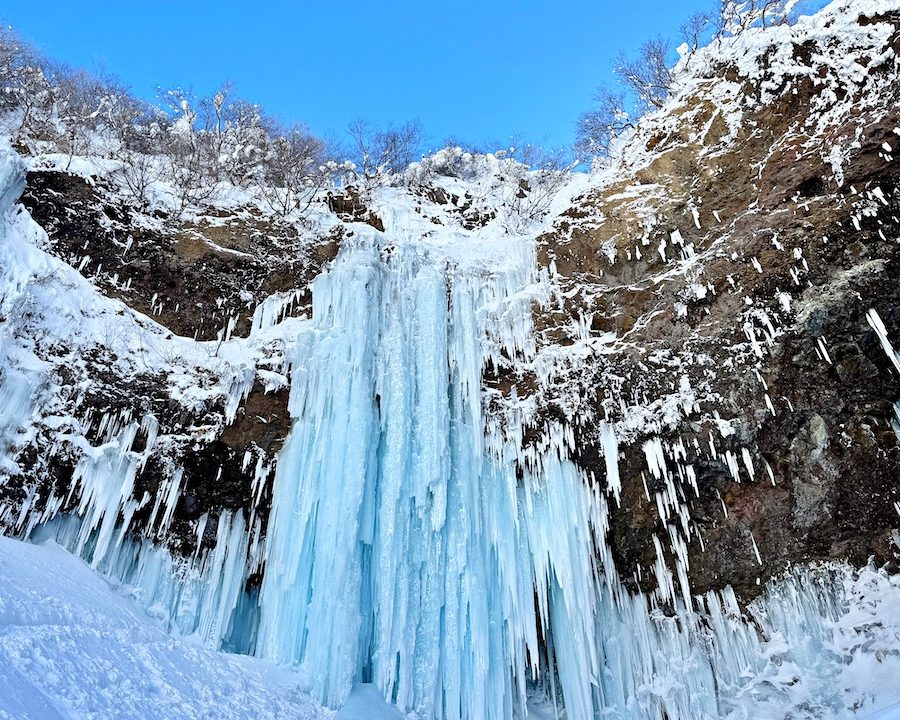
(400,551)
(413,544)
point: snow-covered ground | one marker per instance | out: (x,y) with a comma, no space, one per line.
(891,713)
(74,646)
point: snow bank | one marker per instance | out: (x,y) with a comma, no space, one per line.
(72,646)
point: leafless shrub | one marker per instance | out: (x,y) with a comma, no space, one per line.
(647,75)
(692,31)
(539,175)
(736,16)
(380,152)
(191,168)
(80,100)
(296,167)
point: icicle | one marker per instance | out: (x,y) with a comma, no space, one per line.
(755,549)
(611,457)
(877,325)
(748,463)
(272,310)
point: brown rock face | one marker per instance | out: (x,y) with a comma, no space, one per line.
(741,262)
(194,278)
(191,277)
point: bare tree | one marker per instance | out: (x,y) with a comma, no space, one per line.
(138,136)
(138,171)
(768,12)
(211,122)
(212,110)
(20,67)
(382,152)
(248,136)
(133,122)
(692,31)
(191,167)
(239,133)
(539,174)
(736,16)
(295,169)
(645,80)
(600,125)
(35,101)
(26,98)
(648,74)
(15,55)
(81,99)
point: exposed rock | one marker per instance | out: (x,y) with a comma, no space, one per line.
(741,303)
(348,206)
(190,276)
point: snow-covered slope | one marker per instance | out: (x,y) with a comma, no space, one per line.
(73,646)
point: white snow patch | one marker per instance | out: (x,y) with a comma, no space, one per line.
(73,646)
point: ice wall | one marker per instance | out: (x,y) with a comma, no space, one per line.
(399,551)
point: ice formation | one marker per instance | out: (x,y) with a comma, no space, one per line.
(415,545)
(400,550)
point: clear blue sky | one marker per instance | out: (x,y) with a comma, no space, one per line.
(478,71)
